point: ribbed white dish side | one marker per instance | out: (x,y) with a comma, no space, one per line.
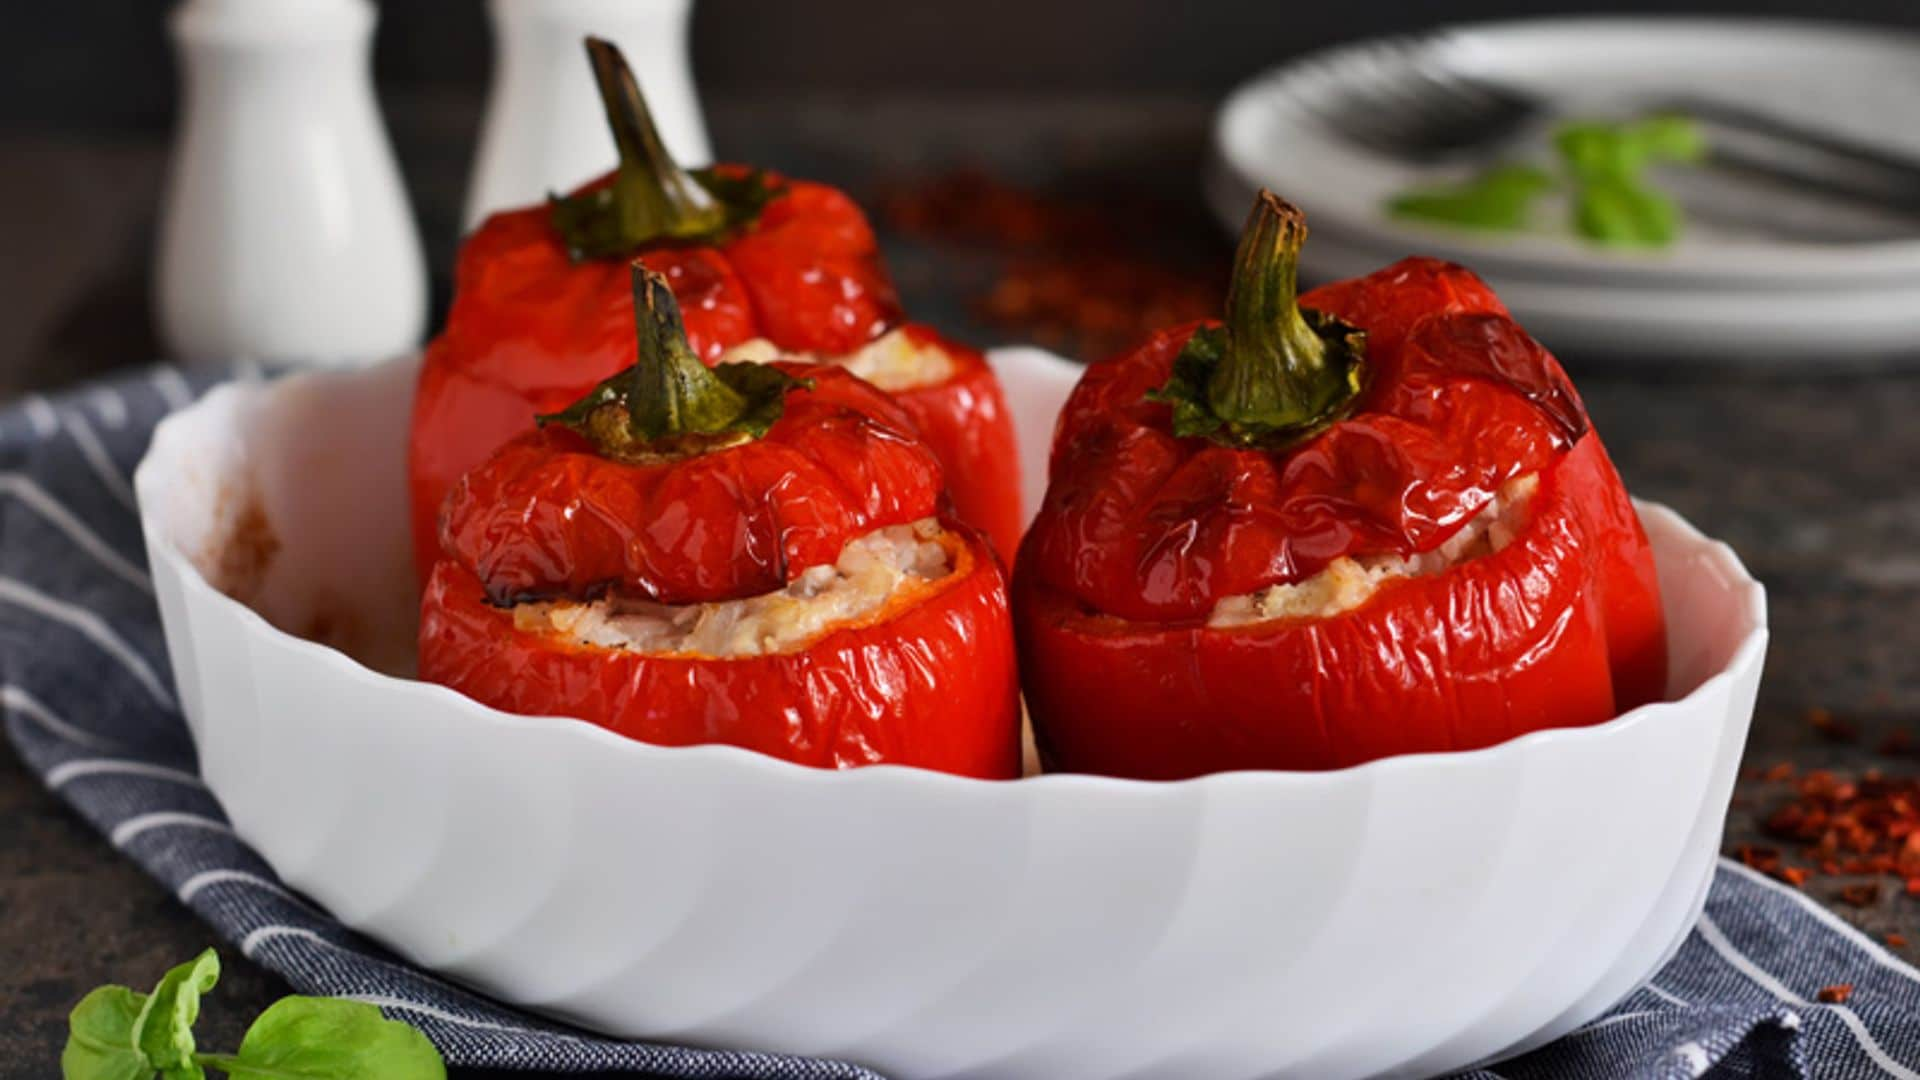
(1412,915)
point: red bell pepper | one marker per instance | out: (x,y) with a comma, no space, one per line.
(964,418)
(1369,420)
(541,308)
(673,483)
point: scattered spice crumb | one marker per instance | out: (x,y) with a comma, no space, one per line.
(1897,941)
(1837,994)
(1860,895)
(1782,771)
(238,562)
(1868,826)
(1764,859)
(1795,876)
(1088,275)
(1829,728)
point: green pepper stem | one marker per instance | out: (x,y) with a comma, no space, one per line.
(651,197)
(668,404)
(652,194)
(672,393)
(1279,372)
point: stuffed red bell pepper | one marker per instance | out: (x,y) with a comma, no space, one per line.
(753,554)
(541,312)
(1372,520)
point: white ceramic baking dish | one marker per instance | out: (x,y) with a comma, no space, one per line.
(1410,916)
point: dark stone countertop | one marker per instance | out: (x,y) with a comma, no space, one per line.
(1810,478)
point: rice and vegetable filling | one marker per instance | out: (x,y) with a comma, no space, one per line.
(893,361)
(898,563)
(1349,581)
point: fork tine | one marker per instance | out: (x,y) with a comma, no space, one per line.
(1401,97)
(1379,104)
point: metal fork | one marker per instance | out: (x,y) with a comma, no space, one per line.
(1404,99)
(1399,97)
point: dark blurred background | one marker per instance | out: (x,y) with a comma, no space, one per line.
(104,65)
(1084,99)
(1072,104)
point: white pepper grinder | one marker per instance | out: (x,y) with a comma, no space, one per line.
(545,130)
(285,233)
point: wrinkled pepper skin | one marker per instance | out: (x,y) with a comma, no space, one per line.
(1143,532)
(548,516)
(964,418)
(675,482)
(1390,302)
(931,683)
(531,329)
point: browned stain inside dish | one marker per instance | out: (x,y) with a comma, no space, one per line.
(243,556)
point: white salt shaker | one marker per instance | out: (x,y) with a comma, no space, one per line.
(545,129)
(285,233)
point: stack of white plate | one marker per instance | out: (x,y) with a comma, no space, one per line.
(1774,283)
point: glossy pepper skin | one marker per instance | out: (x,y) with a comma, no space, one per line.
(964,419)
(548,515)
(1144,531)
(534,324)
(679,484)
(929,684)
(530,329)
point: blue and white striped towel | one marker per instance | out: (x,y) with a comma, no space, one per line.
(89,707)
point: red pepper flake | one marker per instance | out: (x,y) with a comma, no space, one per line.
(1782,771)
(1864,826)
(1897,941)
(1795,876)
(1087,275)
(1831,729)
(1764,859)
(1837,994)
(1860,895)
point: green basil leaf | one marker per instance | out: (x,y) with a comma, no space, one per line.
(1500,198)
(303,1038)
(1596,149)
(165,1027)
(1618,213)
(102,1040)
(1670,137)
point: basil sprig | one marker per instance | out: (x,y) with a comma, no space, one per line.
(1502,197)
(1603,166)
(117,1033)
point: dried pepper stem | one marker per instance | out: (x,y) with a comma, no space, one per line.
(669,404)
(1275,373)
(651,198)
(1279,373)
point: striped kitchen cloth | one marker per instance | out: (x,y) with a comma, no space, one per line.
(89,707)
